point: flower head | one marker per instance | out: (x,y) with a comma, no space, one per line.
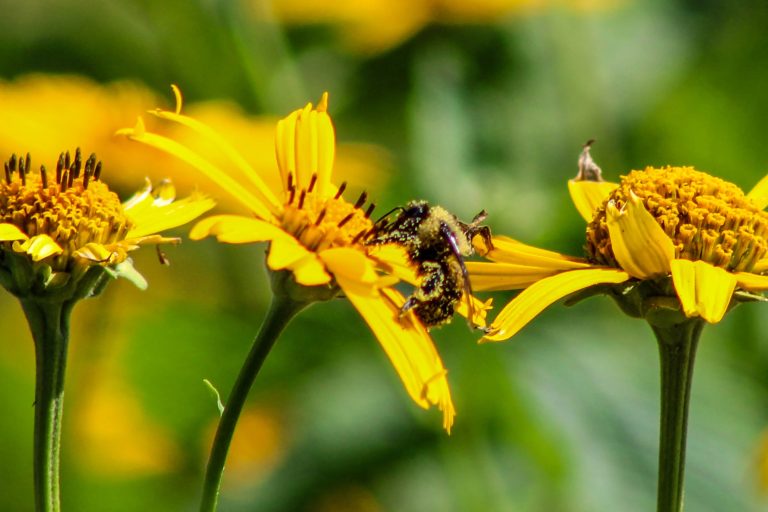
(667,243)
(56,226)
(315,237)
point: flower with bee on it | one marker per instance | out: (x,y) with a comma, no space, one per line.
(316,238)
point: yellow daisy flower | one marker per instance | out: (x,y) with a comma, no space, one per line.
(55,226)
(315,236)
(663,241)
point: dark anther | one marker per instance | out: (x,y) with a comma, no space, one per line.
(291,189)
(312,182)
(59,167)
(7,173)
(320,217)
(369,211)
(92,161)
(302,196)
(64,181)
(87,174)
(43,176)
(341,190)
(78,163)
(12,162)
(27,163)
(361,200)
(97,172)
(346,219)
(67,160)
(22,172)
(359,236)
(71,178)
(162,257)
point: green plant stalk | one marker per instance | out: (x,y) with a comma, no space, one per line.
(677,352)
(281,311)
(49,323)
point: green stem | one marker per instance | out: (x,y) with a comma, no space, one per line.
(49,323)
(280,313)
(677,351)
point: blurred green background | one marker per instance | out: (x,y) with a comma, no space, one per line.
(481,104)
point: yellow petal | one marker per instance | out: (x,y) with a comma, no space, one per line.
(587,196)
(395,261)
(284,252)
(406,343)
(95,252)
(639,243)
(310,271)
(9,233)
(507,250)
(39,247)
(486,276)
(235,189)
(752,282)
(352,266)
(160,217)
(759,193)
(703,289)
(534,299)
(305,144)
(231,153)
(236,229)
(761,266)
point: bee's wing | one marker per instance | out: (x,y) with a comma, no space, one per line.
(450,237)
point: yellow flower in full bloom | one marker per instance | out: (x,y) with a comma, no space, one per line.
(664,241)
(315,235)
(56,225)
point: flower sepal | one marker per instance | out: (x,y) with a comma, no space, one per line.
(284,284)
(27,279)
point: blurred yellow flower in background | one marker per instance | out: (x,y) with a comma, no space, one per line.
(680,238)
(44,113)
(371,26)
(314,234)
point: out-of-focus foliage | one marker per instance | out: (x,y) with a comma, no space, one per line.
(475,110)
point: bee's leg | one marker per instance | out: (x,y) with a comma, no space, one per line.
(485,234)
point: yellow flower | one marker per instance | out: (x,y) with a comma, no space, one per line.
(55,226)
(371,26)
(314,234)
(666,241)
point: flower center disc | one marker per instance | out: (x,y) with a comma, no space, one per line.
(706,218)
(72,210)
(320,224)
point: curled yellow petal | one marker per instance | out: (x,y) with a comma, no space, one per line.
(587,196)
(534,299)
(759,193)
(310,271)
(265,193)
(305,144)
(703,289)
(639,244)
(39,247)
(258,206)
(10,233)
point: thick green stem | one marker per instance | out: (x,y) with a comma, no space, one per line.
(280,313)
(677,351)
(49,323)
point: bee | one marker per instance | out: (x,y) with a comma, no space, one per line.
(437,242)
